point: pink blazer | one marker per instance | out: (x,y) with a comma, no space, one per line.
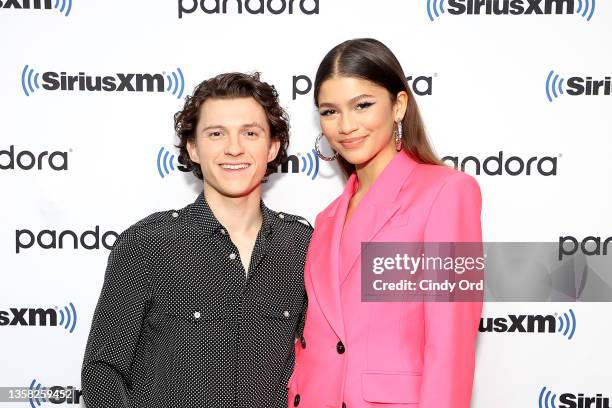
(357,354)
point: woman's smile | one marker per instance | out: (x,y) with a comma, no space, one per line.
(352,142)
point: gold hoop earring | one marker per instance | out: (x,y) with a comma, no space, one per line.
(323,157)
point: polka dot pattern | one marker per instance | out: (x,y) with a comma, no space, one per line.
(180,323)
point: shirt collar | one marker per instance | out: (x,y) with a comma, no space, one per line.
(201,213)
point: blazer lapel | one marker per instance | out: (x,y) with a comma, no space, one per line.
(375,209)
(361,231)
(378,206)
(325,264)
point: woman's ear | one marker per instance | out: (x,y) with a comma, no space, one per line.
(401,104)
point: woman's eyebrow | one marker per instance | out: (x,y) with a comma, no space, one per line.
(350,102)
(327,105)
(355,99)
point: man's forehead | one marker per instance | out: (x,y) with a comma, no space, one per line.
(233,112)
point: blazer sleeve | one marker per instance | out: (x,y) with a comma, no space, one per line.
(116,327)
(451,328)
(302,320)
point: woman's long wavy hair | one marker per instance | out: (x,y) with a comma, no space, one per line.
(370,59)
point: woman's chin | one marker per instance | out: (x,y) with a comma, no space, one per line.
(358,157)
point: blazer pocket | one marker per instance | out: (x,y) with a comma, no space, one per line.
(391,387)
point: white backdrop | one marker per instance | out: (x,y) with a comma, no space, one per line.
(487,88)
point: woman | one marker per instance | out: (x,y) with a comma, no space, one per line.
(356,354)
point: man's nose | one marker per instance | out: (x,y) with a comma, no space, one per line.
(234,145)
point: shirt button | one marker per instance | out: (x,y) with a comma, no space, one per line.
(286,313)
(196,315)
(174,214)
(296,400)
(232,256)
(340,347)
(343,405)
(281,215)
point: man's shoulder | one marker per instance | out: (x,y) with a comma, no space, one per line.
(292,221)
(155,224)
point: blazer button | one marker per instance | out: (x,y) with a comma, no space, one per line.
(340,347)
(296,400)
(303,342)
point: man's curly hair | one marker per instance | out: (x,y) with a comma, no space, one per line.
(226,86)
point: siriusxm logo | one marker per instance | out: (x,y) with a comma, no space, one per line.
(583,8)
(500,165)
(547,399)
(309,164)
(41,317)
(589,246)
(274,7)
(26,160)
(51,239)
(563,324)
(38,395)
(63,6)
(421,85)
(576,86)
(32,81)
(166,163)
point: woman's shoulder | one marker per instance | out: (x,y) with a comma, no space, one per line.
(328,209)
(436,177)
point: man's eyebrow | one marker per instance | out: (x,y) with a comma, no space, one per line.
(213,127)
(253,124)
(351,101)
(246,125)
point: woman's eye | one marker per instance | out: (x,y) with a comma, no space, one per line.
(327,112)
(364,105)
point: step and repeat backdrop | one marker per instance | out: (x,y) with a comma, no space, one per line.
(516,93)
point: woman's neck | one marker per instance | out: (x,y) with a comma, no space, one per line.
(368,172)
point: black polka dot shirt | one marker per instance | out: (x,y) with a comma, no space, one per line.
(180,323)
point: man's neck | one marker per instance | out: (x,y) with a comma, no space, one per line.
(238,214)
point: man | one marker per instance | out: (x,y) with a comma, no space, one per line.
(200,306)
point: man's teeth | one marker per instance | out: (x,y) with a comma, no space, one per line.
(234,166)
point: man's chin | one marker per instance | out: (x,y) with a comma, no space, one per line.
(236,191)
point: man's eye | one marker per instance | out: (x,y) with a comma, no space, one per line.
(364,105)
(214,134)
(250,133)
